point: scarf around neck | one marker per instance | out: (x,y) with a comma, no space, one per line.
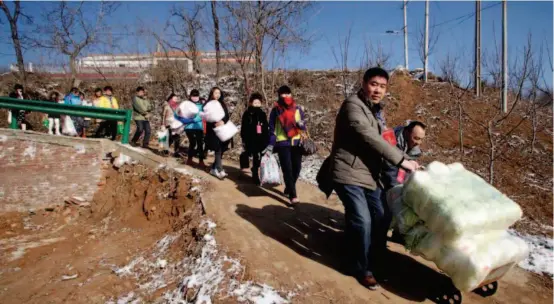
(287,117)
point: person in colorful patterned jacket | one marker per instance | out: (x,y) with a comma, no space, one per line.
(286,122)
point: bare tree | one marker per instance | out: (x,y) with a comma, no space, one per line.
(69,29)
(187,28)
(492,62)
(341,59)
(498,140)
(375,56)
(272,23)
(217,41)
(238,41)
(420,42)
(13,19)
(449,68)
(169,71)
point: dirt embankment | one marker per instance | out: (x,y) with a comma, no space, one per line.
(71,252)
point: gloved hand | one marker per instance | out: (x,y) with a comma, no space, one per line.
(300,124)
(269,149)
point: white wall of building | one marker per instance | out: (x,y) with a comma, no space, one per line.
(128,61)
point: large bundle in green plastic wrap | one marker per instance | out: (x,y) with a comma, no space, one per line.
(453,218)
(468,261)
(404,218)
(455,202)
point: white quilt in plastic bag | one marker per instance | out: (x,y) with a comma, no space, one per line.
(455,202)
(213,111)
(226,131)
(187,109)
(469,261)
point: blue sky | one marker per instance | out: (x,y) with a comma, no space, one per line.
(369,21)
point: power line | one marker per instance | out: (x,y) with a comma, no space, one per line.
(466,16)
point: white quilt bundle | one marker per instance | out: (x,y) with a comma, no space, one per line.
(187,109)
(455,219)
(213,111)
(456,202)
(226,131)
(470,261)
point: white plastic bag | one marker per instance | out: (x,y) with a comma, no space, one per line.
(455,202)
(226,131)
(213,111)
(187,109)
(163,139)
(269,170)
(68,127)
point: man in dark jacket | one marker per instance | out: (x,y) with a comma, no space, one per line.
(254,132)
(355,166)
(408,139)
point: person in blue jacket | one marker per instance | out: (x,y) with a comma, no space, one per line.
(73,98)
(195,132)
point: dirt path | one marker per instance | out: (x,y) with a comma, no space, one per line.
(300,249)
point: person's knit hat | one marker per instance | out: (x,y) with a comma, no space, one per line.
(283,90)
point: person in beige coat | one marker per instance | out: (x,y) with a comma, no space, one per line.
(355,166)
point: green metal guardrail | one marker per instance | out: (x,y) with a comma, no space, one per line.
(15,104)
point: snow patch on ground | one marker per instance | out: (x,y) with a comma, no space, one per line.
(310,167)
(80,149)
(30,151)
(206,276)
(182,171)
(541,254)
(3,138)
(121,160)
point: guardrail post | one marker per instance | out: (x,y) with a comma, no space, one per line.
(13,124)
(127,127)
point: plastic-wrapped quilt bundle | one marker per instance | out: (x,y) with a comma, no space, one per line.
(187,109)
(212,111)
(404,217)
(455,202)
(472,260)
(453,218)
(226,131)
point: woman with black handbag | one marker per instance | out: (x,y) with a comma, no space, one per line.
(286,123)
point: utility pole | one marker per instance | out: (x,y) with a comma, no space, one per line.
(426,49)
(478,48)
(504,105)
(405,34)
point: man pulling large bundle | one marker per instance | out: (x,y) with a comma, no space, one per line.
(454,218)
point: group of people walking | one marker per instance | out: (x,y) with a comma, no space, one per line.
(102,98)
(260,135)
(366,159)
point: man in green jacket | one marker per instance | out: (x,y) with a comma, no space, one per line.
(141,111)
(356,163)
